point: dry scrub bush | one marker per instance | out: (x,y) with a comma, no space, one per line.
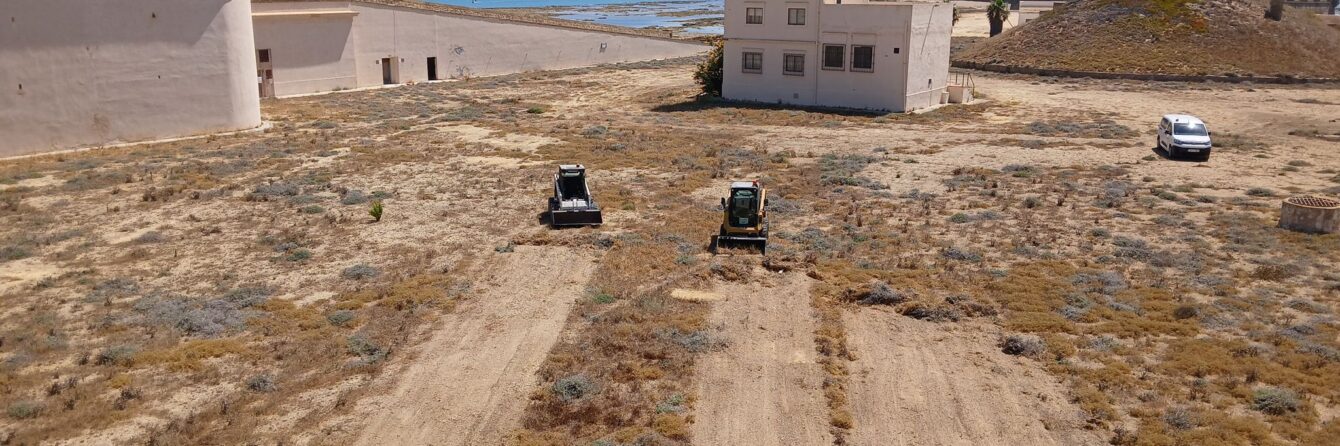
(631,341)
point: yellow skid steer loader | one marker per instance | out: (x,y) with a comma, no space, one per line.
(745,220)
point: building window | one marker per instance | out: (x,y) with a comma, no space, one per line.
(795,16)
(793,64)
(263,56)
(752,62)
(753,16)
(833,57)
(862,58)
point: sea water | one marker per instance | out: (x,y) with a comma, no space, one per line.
(629,13)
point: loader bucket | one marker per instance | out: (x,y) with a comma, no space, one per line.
(575,217)
(759,244)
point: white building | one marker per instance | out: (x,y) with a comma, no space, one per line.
(79,72)
(315,46)
(853,53)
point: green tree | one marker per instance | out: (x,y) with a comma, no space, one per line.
(708,74)
(997,12)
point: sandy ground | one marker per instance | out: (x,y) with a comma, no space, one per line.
(913,382)
(468,383)
(922,383)
(765,387)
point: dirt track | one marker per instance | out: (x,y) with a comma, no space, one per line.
(922,383)
(765,388)
(468,384)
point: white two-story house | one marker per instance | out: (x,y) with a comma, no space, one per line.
(837,53)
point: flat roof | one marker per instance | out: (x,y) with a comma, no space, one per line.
(311,12)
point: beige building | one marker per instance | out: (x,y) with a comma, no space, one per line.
(87,73)
(316,46)
(80,72)
(854,53)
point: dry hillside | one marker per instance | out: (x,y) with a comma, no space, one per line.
(1205,37)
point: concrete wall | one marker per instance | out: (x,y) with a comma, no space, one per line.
(928,54)
(308,52)
(463,45)
(774,26)
(885,27)
(911,45)
(770,85)
(77,72)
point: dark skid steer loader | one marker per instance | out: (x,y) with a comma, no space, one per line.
(572,204)
(746,218)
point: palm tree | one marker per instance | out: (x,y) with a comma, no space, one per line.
(997,13)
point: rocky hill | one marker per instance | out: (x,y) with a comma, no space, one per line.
(1197,37)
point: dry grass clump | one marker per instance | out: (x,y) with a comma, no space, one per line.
(202,305)
(624,372)
(1112,313)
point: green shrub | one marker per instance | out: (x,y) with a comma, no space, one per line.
(1260,192)
(960,254)
(360,272)
(299,255)
(603,298)
(368,351)
(709,72)
(1022,345)
(22,410)
(341,318)
(376,211)
(1275,401)
(263,383)
(573,388)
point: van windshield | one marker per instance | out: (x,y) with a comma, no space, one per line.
(1190,129)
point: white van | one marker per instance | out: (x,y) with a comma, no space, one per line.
(1181,135)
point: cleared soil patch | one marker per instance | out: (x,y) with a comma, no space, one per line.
(921,383)
(766,387)
(470,380)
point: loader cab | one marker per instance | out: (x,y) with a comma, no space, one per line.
(572,182)
(744,206)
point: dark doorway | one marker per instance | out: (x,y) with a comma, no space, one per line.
(265,74)
(387,78)
(432,69)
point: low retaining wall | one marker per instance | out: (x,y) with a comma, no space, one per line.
(1138,76)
